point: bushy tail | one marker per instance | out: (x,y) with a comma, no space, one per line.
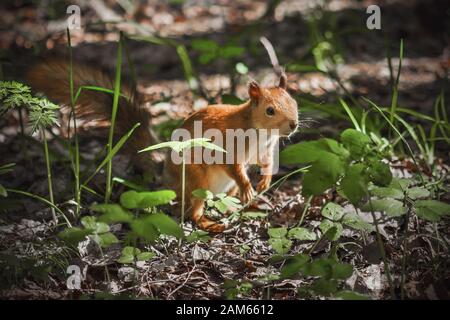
(51,77)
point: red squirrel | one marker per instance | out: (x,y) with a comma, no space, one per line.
(267,108)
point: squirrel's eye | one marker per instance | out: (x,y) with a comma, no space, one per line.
(270,111)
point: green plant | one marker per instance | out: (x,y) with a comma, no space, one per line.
(76,152)
(181,147)
(219,202)
(327,273)
(233,288)
(336,218)
(351,165)
(42,114)
(113,117)
(281,238)
(4,169)
(360,173)
(139,211)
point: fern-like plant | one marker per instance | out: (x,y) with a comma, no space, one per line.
(42,115)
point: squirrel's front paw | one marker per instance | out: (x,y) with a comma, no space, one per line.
(263,185)
(248,194)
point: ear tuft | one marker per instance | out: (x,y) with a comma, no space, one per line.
(253,90)
(283,81)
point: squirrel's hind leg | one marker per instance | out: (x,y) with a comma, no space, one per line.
(200,219)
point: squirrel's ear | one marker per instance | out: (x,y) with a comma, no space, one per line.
(283,81)
(253,90)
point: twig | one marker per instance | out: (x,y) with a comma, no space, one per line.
(272,55)
(184,283)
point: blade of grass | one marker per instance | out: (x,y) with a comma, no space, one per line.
(49,175)
(24,193)
(112,152)
(113,117)
(350,114)
(444,126)
(398,133)
(95,88)
(75,153)
(394,99)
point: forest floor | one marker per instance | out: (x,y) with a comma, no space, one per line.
(199,269)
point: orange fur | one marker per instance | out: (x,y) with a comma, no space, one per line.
(230,178)
(52,78)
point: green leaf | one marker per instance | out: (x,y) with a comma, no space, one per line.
(324,287)
(391,207)
(231,51)
(144,229)
(380,173)
(294,265)
(141,200)
(127,255)
(322,267)
(43,114)
(175,145)
(301,234)
(332,211)
(205,143)
(91,223)
(165,224)
(179,146)
(400,183)
(241,68)
(130,184)
(356,222)
(207,57)
(204,45)
(156,198)
(253,215)
(145,256)
(310,151)
(74,235)
(277,232)
(280,245)
(323,174)
(331,230)
(130,199)
(202,194)
(341,271)
(356,142)
(221,206)
(231,99)
(350,295)
(231,202)
(354,183)
(387,192)
(417,193)
(112,213)
(198,235)
(3,191)
(105,239)
(431,210)
(6,168)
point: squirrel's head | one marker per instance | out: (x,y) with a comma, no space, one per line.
(273,108)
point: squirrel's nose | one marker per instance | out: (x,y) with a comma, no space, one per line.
(293,124)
